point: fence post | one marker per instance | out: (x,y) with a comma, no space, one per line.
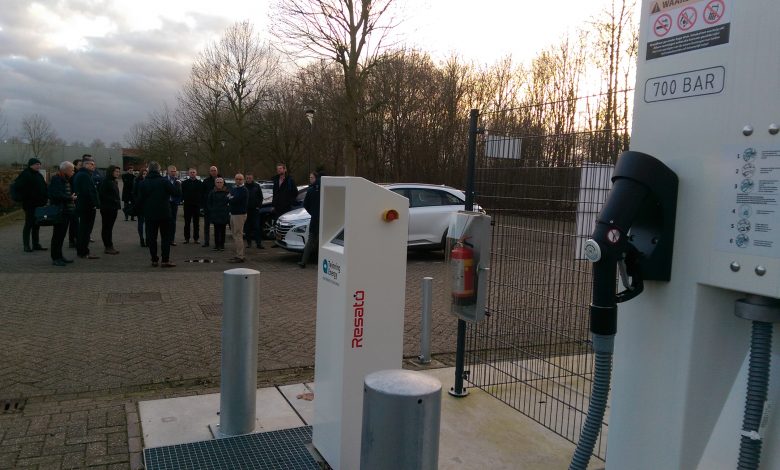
(237,403)
(425,321)
(460,349)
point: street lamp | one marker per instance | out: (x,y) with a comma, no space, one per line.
(310,116)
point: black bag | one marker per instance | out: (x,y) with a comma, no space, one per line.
(48,215)
(129,209)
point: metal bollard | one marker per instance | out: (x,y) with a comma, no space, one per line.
(401,421)
(426,321)
(239,352)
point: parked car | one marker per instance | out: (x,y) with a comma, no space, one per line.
(430,207)
(268,218)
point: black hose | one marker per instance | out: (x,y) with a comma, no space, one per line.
(603,348)
(758,384)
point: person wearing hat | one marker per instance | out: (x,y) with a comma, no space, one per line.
(32,189)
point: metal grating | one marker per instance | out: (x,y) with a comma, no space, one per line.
(285,449)
(543,178)
(12,405)
(123,298)
(211,310)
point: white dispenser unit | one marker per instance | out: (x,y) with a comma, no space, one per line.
(361,287)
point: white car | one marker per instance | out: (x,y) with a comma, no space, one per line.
(430,207)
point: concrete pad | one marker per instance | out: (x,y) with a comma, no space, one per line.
(187,419)
(305,408)
(479,431)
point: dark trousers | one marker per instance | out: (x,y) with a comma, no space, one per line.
(73,228)
(312,244)
(219,235)
(174,213)
(252,227)
(141,232)
(86,223)
(164,228)
(191,218)
(206,223)
(58,238)
(107,229)
(30,228)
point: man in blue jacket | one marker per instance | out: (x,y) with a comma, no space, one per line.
(238,198)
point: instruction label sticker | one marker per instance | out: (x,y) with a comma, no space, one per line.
(678,26)
(685,85)
(748,219)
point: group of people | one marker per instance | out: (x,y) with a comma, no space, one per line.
(79,194)
(152,198)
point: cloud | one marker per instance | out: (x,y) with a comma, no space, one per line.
(94,68)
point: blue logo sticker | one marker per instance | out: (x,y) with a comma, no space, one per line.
(325,266)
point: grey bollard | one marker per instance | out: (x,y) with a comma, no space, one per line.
(426,322)
(239,352)
(401,420)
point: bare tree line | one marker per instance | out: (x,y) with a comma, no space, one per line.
(381,112)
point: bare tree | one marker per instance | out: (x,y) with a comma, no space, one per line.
(234,75)
(352,33)
(97,144)
(38,132)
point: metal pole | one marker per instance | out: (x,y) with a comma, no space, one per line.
(425,322)
(460,347)
(401,421)
(239,352)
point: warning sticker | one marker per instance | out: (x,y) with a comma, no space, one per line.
(679,26)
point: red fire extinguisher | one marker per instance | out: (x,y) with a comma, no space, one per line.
(462,259)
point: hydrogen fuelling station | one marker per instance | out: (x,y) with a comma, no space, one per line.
(361,291)
(692,227)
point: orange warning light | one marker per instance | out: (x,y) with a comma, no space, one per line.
(390,215)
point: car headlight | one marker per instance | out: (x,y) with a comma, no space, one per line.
(301,229)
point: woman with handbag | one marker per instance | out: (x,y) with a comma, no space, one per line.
(61,195)
(110,203)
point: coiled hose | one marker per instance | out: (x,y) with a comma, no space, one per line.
(758,383)
(603,347)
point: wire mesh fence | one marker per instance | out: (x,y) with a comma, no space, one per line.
(543,176)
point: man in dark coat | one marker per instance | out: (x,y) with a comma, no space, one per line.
(31,187)
(128,179)
(208,186)
(285,190)
(252,226)
(312,205)
(154,196)
(61,195)
(192,196)
(87,203)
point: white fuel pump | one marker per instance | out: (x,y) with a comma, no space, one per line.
(707,107)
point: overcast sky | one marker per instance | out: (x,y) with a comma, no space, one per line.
(96,67)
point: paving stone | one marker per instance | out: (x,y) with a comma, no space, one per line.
(131,333)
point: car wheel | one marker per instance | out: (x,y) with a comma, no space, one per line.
(443,245)
(269,228)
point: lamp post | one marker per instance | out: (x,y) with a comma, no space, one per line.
(310,117)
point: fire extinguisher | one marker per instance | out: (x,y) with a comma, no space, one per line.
(462,258)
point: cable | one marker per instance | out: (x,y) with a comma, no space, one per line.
(603,347)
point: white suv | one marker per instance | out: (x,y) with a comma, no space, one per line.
(430,207)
